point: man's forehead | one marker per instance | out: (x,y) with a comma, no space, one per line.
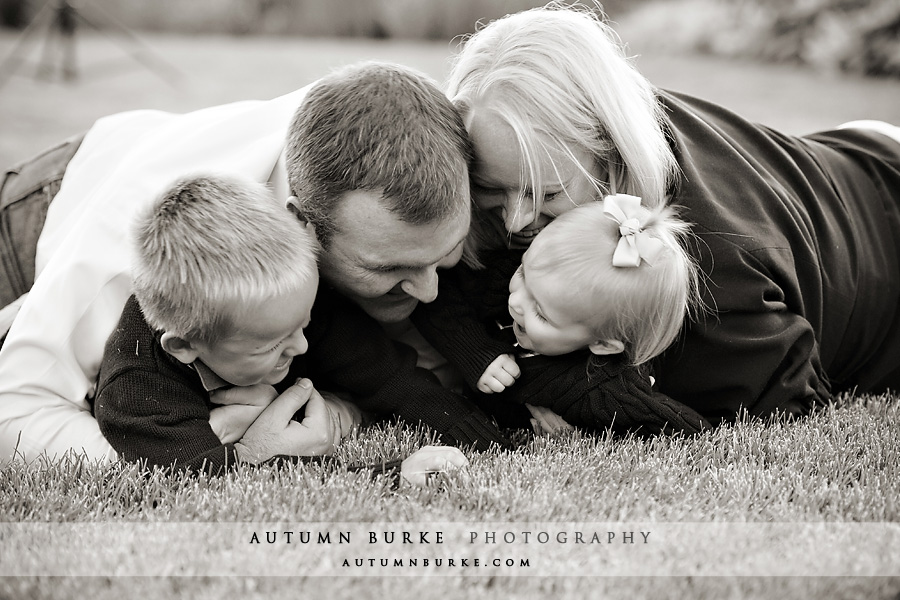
(376,236)
(413,245)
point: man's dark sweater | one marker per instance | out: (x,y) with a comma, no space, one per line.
(150,406)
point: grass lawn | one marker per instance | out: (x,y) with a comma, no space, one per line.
(807,509)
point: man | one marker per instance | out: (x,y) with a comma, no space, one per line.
(377,162)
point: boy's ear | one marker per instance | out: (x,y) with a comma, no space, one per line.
(603,347)
(178,347)
(293,205)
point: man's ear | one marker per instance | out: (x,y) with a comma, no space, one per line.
(178,347)
(603,347)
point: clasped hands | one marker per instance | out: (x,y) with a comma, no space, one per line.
(261,425)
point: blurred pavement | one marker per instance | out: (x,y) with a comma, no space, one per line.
(35,113)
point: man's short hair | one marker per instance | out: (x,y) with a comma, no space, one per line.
(211,243)
(382,128)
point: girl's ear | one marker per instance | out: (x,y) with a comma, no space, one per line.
(178,347)
(602,347)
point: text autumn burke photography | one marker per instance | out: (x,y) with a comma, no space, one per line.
(444,550)
(437,537)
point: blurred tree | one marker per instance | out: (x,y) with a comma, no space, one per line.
(14,13)
(861,36)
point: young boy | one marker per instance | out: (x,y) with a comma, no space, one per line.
(225,283)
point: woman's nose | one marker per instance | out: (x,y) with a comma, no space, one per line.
(517,217)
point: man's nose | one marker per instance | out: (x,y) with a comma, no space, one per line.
(423,285)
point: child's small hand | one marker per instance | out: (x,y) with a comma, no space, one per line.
(259,394)
(347,416)
(239,408)
(431,459)
(499,375)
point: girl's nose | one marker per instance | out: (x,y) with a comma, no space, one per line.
(297,344)
(515,303)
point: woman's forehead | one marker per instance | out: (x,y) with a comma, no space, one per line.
(499,156)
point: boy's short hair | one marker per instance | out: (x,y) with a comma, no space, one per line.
(210,242)
(383,128)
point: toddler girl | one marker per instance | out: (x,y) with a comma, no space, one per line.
(609,280)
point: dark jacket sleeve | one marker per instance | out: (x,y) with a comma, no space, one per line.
(461,322)
(149,406)
(148,417)
(453,325)
(786,230)
(350,349)
(601,395)
(751,351)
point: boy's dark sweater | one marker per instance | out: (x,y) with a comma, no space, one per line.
(594,392)
(152,407)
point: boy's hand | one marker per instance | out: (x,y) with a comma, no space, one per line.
(347,415)
(275,432)
(431,459)
(499,375)
(230,422)
(259,394)
(547,422)
(240,407)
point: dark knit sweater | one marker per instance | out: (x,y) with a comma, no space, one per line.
(798,240)
(152,407)
(592,392)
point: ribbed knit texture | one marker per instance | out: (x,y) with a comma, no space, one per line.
(350,350)
(592,392)
(151,407)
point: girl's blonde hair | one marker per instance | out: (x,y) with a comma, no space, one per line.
(209,243)
(559,77)
(642,306)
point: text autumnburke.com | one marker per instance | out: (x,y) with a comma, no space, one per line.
(438,537)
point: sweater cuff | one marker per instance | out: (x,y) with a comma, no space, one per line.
(473,361)
(476,430)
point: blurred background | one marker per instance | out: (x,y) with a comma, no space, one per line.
(798,65)
(855,35)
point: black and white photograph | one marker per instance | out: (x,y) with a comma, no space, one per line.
(450,299)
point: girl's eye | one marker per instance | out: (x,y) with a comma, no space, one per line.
(540,317)
(276,346)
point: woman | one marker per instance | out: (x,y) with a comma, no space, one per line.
(796,238)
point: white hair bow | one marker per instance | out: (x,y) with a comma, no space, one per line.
(635,244)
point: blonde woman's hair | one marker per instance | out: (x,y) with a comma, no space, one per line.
(642,306)
(559,77)
(210,242)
